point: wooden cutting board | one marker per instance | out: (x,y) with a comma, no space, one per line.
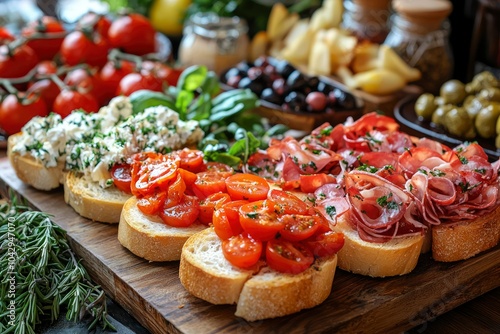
(152,292)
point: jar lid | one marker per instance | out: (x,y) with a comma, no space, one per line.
(430,13)
(210,25)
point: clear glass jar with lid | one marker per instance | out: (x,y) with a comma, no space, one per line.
(367,19)
(214,41)
(420,35)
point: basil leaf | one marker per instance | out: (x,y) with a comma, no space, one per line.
(182,102)
(191,78)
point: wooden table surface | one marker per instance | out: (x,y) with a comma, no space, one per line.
(480,315)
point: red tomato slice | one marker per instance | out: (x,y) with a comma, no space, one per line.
(152,173)
(152,204)
(299,227)
(247,187)
(208,183)
(209,204)
(176,191)
(325,244)
(288,203)
(309,183)
(260,221)
(226,219)
(182,215)
(242,251)
(191,160)
(220,168)
(188,177)
(121,177)
(287,257)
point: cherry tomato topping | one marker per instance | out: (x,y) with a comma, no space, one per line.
(242,251)
(258,220)
(183,214)
(299,227)
(153,203)
(176,191)
(152,173)
(325,244)
(208,183)
(191,160)
(287,257)
(209,204)
(222,169)
(247,186)
(288,203)
(121,177)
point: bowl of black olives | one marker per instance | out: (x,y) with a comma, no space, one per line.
(290,97)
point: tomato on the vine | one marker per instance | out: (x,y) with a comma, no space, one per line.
(121,175)
(90,82)
(46,67)
(48,45)
(96,22)
(112,73)
(79,48)
(287,257)
(17,62)
(68,100)
(134,81)
(247,186)
(47,89)
(6,36)
(133,33)
(242,251)
(16,112)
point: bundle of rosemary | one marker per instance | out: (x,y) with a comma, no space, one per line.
(40,276)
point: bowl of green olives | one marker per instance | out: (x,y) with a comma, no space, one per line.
(461,112)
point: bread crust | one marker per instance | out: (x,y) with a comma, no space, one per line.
(33,172)
(460,241)
(206,274)
(395,257)
(149,237)
(91,201)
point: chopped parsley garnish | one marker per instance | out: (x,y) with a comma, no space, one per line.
(463,160)
(331,210)
(481,171)
(252,215)
(367,168)
(437,172)
(326,131)
(384,202)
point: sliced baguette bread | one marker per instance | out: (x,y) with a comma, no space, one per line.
(33,172)
(396,257)
(460,241)
(205,273)
(92,201)
(149,237)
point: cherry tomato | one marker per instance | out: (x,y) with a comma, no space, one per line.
(258,220)
(309,183)
(286,202)
(226,219)
(152,173)
(17,62)
(242,251)
(175,191)
(191,160)
(299,227)
(78,48)
(325,244)
(287,257)
(209,204)
(219,168)
(112,73)
(46,67)
(247,186)
(6,36)
(208,183)
(69,100)
(47,89)
(87,80)
(133,33)
(182,215)
(188,177)
(99,23)
(48,45)
(120,173)
(153,203)
(166,73)
(15,113)
(134,81)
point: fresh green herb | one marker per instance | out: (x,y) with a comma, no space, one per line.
(253,215)
(41,274)
(481,171)
(384,202)
(437,172)
(463,160)
(331,210)
(368,168)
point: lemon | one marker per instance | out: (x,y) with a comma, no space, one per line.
(167,16)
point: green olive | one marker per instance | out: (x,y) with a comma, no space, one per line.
(482,80)
(471,133)
(425,106)
(490,94)
(487,119)
(468,99)
(457,121)
(439,113)
(439,101)
(474,106)
(453,91)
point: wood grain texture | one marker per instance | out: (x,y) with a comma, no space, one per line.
(152,293)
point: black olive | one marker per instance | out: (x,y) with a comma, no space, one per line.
(296,81)
(284,68)
(279,86)
(295,101)
(269,95)
(232,72)
(253,85)
(243,66)
(312,83)
(262,62)
(324,87)
(342,99)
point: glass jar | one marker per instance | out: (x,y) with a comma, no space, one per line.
(213,41)
(424,44)
(367,20)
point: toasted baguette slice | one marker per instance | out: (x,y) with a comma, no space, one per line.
(33,172)
(396,257)
(205,273)
(149,237)
(92,201)
(454,242)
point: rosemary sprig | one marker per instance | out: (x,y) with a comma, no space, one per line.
(39,274)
